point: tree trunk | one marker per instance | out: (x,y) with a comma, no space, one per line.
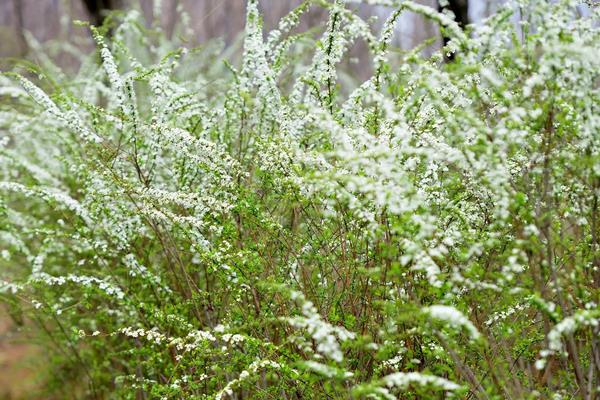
(460,9)
(97,9)
(18,10)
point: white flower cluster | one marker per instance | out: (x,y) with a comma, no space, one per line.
(502,315)
(69,118)
(566,327)
(454,318)
(48,194)
(393,362)
(323,333)
(136,269)
(327,370)
(405,379)
(152,335)
(244,375)
(83,280)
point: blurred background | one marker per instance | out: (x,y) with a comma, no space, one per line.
(27,24)
(49,19)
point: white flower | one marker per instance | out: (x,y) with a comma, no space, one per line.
(454,318)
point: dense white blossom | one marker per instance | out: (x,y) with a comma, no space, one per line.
(453,317)
(254,221)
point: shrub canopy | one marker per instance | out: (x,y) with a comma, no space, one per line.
(177,226)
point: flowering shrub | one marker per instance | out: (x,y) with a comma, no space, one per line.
(180,227)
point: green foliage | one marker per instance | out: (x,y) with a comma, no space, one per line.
(177,223)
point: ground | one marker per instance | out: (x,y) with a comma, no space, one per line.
(19,373)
